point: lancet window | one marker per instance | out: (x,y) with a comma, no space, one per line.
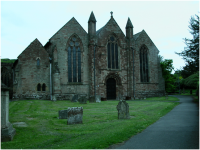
(144,67)
(74,59)
(112,49)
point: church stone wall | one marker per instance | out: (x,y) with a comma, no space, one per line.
(29,75)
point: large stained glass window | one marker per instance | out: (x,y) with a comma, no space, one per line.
(74,60)
(144,68)
(112,49)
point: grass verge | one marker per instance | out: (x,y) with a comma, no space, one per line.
(99,130)
(162,98)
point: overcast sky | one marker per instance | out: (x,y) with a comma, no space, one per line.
(166,23)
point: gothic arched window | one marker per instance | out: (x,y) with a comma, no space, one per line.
(74,59)
(144,67)
(112,49)
(39,87)
(43,87)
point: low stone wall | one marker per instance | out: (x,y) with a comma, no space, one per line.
(149,94)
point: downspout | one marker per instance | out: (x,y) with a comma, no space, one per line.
(94,73)
(50,60)
(133,77)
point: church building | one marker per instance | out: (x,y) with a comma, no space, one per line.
(107,62)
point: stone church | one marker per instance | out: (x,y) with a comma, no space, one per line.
(105,61)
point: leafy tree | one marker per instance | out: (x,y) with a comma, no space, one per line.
(192,81)
(191,53)
(167,67)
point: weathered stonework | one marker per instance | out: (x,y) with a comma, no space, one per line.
(127,76)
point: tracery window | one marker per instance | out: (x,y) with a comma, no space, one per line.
(74,60)
(144,67)
(112,49)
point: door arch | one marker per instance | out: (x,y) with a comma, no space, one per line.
(111,88)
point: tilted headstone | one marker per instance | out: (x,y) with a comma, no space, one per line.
(7,130)
(75,98)
(75,115)
(83,100)
(62,114)
(123,110)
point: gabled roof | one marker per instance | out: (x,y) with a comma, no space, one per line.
(102,28)
(35,42)
(92,18)
(129,24)
(65,25)
(135,36)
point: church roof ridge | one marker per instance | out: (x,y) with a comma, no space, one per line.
(129,24)
(92,18)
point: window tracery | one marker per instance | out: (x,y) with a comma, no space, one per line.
(74,59)
(112,49)
(144,67)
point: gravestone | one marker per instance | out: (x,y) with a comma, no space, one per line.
(83,100)
(7,130)
(54,98)
(166,96)
(93,100)
(123,110)
(75,98)
(62,114)
(119,97)
(75,115)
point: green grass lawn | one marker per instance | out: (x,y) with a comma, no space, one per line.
(163,98)
(100,129)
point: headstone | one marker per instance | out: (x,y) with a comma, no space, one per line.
(62,114)
(93,100)
(75,98)
(7,130)
(123,110)
(75,115)
(54,98)
(83,100)
(98,98)
(191,92)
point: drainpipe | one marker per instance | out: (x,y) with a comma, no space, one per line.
(133,77)
(50,60)
(94,73)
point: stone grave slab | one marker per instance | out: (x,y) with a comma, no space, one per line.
(75,98)
(123,110)
(62,114)
(75,115)
(83,100)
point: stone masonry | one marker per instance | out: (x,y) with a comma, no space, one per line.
(58,59)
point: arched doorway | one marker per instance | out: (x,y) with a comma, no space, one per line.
(111,88)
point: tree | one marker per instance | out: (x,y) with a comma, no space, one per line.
(167,67)
(191,53)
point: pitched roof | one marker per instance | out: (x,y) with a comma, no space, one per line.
(92,17)
(98,31)
(129,24)
(135,36)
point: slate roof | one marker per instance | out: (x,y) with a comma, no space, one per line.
(135,36)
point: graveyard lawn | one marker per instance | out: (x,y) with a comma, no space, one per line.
(163,98)
(100,129)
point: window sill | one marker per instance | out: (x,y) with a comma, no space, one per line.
(74,83)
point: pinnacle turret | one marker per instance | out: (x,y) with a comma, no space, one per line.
(129,24)
(92,18)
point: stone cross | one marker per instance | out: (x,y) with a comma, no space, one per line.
(111,14)
(123,110)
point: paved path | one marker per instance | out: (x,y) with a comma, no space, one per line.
(179,129)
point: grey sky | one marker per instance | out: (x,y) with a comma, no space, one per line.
(166,23)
